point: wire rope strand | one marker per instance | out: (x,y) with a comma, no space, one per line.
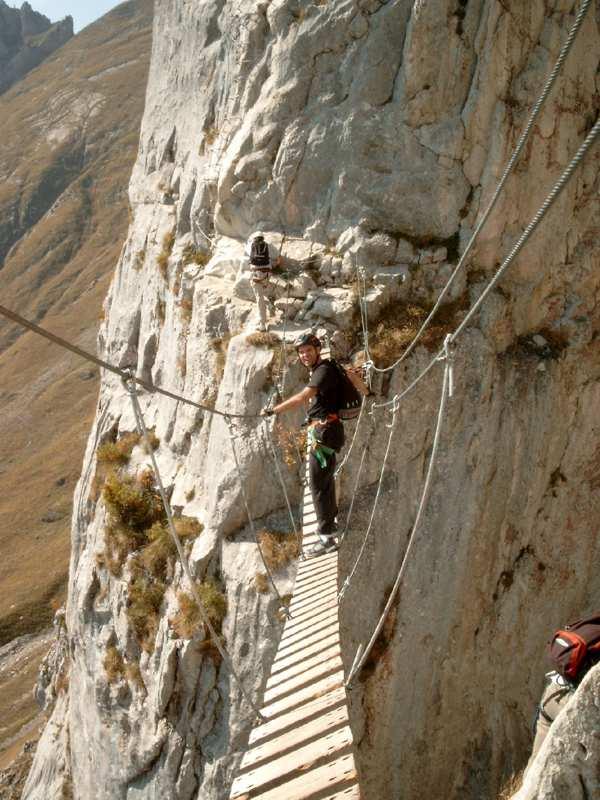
(273,450)
(356,485)
(529,230)
(564,52)
(122,373)
(284,606)
(359,662)
(348,580)
(141,425)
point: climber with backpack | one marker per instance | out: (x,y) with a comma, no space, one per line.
(573,651)
(259,258)
(331,396)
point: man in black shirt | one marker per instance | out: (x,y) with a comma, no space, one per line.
(325,432)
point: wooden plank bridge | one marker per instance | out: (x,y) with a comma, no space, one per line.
(304,750)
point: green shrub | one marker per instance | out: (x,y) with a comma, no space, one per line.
(134,503)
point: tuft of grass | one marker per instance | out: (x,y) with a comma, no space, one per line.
(278,548)
(119,451)
(158,555)
(134,675)
(261,583)
(153,440)
(138,261)
(186,305)
(144,601)
(210,135)
(114,666)
(398,323)
(164,255)
(292,443)
(133,503)
(187,620)
(195,255)
(263,339)
(511,786)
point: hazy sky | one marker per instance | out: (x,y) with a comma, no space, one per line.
(82,11)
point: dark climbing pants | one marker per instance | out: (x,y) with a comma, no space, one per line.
(322,486)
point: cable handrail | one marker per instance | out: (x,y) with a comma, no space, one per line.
(124,374)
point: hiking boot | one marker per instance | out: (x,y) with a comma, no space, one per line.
(326,545)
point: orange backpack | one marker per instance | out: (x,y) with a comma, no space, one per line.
(576,648)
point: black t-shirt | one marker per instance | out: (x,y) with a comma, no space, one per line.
(325,379)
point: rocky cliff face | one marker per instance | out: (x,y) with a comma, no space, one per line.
(357,133)
(26,39)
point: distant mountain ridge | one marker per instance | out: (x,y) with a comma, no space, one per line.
(26,39)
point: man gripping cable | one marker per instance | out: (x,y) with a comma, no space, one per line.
(325,434)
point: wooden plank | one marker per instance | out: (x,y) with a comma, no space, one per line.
(316,635)
(338,773)
(308,676)
(302,604)
(290,720)
(320,645)
(304,757)
(325,722)
(304,695)
(298,630)
(277,678)
(351,793)
(316,603)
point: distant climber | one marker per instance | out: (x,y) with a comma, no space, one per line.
(324,396)
(573,651)
(259,258)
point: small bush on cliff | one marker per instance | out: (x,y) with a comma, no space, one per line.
(119,451)
(133,502)
(164,255)
(144,600)
(114,666)
(188,619)
(261,583)
(279,548)
(194,255)
(263,339)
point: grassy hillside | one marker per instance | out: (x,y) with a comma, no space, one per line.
(69,139)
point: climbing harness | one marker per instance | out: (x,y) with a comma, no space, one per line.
(564,52)
(283,606)
(363,653)
(123,374)
(130,385)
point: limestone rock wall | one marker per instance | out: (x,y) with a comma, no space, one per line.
(355,133)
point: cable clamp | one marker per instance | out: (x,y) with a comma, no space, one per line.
(342,591)
(449,355)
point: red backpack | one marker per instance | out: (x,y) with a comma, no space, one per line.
(576,648)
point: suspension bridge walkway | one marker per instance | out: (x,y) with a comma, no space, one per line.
(304,749)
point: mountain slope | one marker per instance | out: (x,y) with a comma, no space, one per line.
(65,158)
